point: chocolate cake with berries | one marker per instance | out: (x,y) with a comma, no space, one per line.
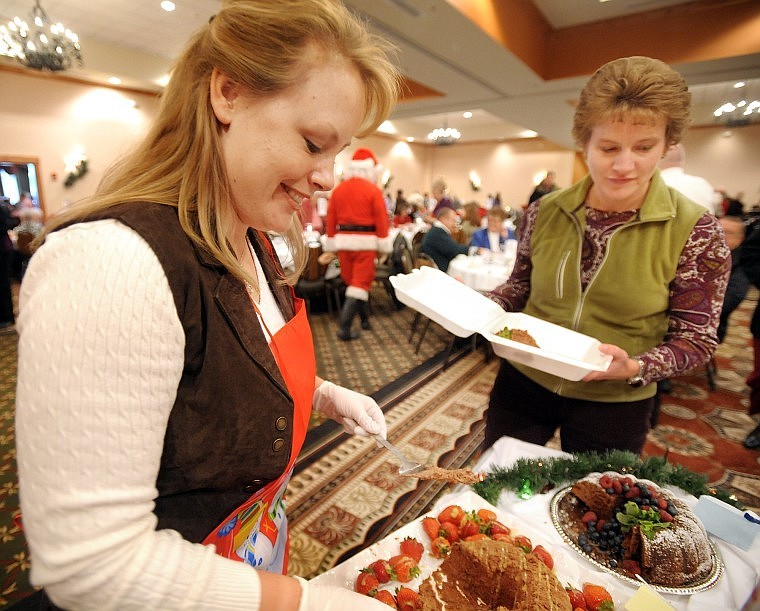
(497,575)
(634,526)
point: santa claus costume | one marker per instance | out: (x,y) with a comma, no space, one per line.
(357,229)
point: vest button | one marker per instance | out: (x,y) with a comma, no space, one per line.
(278,444)
(281,423)
(253,486)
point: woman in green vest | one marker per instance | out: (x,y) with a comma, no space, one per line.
(618,256)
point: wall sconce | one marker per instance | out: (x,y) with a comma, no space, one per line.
(475,181)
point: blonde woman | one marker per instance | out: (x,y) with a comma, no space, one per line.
(179,372)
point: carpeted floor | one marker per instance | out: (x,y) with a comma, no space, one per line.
(345,494)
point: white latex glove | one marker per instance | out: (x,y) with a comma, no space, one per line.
(333,598)
(359,414)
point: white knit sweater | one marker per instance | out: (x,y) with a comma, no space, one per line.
(100,358)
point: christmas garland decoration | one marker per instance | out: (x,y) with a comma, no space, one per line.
(77,173)
(529,475)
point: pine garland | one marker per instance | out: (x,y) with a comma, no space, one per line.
(545,474)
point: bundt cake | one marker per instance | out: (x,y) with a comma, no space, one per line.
(488,574)
(634,526)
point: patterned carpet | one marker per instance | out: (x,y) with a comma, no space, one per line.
(345,494)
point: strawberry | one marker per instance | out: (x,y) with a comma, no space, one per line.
(486,515)
(665,516)
(384,596)
(432,527)
(633,492)
(605,481)
(632,566)
(450,531)
(405,568)
(413,548)
(503,537)
(576,598)
(617,486)
(471,526)
(454,514)
(477,537)
(597,598)
(440,547)
(544,556)
(589,516)
(523,542)
(497,528)
(382,570)
(407,599)
(366,583)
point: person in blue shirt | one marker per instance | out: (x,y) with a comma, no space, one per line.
(495,235)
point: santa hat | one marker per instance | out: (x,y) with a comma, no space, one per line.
(364,165)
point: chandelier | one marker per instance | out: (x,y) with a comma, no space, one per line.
(444,136)
(43,45)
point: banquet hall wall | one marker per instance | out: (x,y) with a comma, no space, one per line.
(48,117)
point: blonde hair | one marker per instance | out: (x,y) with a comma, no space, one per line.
(259,44)
(643,87)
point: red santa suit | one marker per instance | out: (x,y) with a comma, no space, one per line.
(357,229)
(357,224)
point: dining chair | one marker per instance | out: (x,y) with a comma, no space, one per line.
(312,283)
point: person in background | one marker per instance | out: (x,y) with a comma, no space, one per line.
(438,241)
(738,283)
(166,372)
(620,257)
(8,220)
(470,219)
(357,229)
(547,185)
(495,234)
(746,272)
(696,188)
(442,199)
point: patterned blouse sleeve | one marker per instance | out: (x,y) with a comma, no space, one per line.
(514,293)
(696,299)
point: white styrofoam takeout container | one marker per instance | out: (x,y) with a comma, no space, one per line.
(463,311)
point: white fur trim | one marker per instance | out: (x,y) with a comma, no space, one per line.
(328,244)
(356,241)
(357,293)
(385,245)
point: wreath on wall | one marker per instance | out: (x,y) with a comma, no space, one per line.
(80,169)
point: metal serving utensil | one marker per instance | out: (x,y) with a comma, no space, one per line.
(408,467)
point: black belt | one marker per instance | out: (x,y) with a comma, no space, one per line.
(359,228)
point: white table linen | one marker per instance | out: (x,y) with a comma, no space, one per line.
(481,272)
(742,568)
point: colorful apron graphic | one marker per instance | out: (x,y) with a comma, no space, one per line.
(256,532)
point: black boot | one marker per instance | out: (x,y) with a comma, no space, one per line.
(347,313)
(364,315)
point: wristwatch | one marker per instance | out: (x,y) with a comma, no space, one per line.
(638,379)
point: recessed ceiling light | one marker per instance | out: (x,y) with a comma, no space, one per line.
(168,6)
(739,85)
(467,115)
(410,139)
(114,80)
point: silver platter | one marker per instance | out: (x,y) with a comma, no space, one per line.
(705,584)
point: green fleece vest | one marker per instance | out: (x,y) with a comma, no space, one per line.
(626,303)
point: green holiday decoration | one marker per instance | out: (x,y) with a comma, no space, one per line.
(545,474)
(525,491)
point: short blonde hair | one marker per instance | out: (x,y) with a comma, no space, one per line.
(259,44)
(637,86)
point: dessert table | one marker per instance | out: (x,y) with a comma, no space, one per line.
(531,517)
(742,568)
(481,272)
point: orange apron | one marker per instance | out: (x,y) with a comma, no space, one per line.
(257,532)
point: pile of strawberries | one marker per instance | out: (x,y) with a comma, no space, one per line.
(451,525)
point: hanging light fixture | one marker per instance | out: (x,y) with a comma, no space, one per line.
(41,45)
(738,112)
(444,136)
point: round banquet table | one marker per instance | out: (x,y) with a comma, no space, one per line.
(481,272)
(742,568)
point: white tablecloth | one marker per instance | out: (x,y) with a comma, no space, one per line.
(742,568)
(481,272)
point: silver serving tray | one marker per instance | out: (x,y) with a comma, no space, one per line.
(705,584)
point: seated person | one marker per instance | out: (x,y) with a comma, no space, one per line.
(439,243)
(495,234)
(738,282)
